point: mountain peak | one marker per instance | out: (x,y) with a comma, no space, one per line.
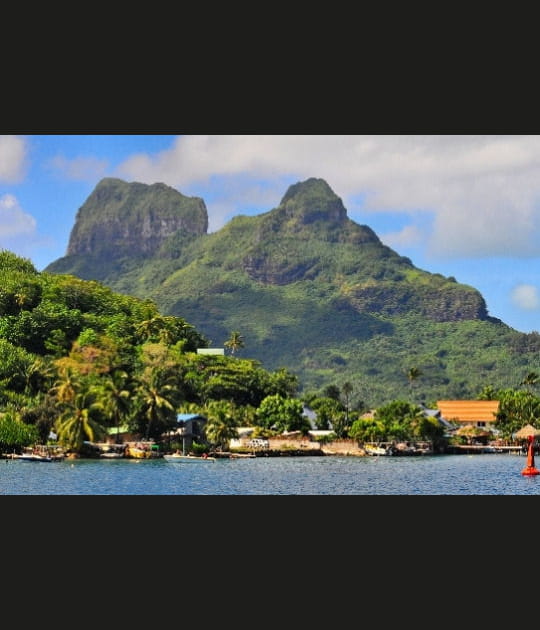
(121,218)
(313,200)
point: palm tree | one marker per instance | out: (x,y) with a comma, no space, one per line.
(530,380)
(488,392)
(149,329)
(221,425)
(116,397)
(75,424)
(157,397)
(347,389)
(234,342)
(36,374)
(412,374)
(66,386)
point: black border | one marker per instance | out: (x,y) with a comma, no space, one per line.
(337,98)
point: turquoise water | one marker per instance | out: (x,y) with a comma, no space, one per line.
(484,474)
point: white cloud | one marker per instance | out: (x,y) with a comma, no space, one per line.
(526,296)
(409,236)
(14,222)
(88,169)
(13,159)
(480,193)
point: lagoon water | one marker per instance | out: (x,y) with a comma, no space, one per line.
(482,474)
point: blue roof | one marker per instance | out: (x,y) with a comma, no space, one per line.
(184,417)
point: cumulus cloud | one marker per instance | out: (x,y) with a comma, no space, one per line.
(526,297)
(85,169)
(409,236)
(13,159)
(481,193)
(14,221)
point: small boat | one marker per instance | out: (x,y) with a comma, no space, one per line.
(39,454)
(188,459)
(32,457)
(112,451)
(377,449)
(144,450)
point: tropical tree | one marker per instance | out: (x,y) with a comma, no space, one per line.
(326,411)
(367,430)
(281,382)
(15,367)
(516,409)
(340,424)
(66,385)
(413,374)
(425,427)
(156,401)
(234,342)
(115,394)
(530,380)
(41,413)
(282,414)
(76,424)
(331,391)
(488,392)
(169,329)
(149,329)
(39,375)
(347,389)
(400,418)
(14,433)
(221,426)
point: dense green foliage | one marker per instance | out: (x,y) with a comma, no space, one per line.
(80,359)
(517,408)
(398,420)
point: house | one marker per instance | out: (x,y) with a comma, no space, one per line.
(120,434)
(477,413)
(436,414)
(189,429)
(243,436)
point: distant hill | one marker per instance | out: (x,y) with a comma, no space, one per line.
(308,289)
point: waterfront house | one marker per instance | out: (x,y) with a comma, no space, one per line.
(477,413)
(189,428)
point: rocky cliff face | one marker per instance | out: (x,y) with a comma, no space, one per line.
(132,219)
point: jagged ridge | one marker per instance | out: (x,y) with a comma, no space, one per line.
(132,219)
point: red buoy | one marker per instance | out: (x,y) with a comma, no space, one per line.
(530,468)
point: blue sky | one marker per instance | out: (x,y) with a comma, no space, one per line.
(465,206)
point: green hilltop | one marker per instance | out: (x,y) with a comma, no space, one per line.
(309,290)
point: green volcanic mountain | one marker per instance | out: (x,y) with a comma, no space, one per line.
(308,289)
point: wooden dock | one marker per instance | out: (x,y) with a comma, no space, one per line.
(471,449)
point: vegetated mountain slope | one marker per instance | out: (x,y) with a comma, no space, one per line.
(310,290)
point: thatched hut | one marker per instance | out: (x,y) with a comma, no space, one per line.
(524,432)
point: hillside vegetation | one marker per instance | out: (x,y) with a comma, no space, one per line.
(310,290)
(78,359)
